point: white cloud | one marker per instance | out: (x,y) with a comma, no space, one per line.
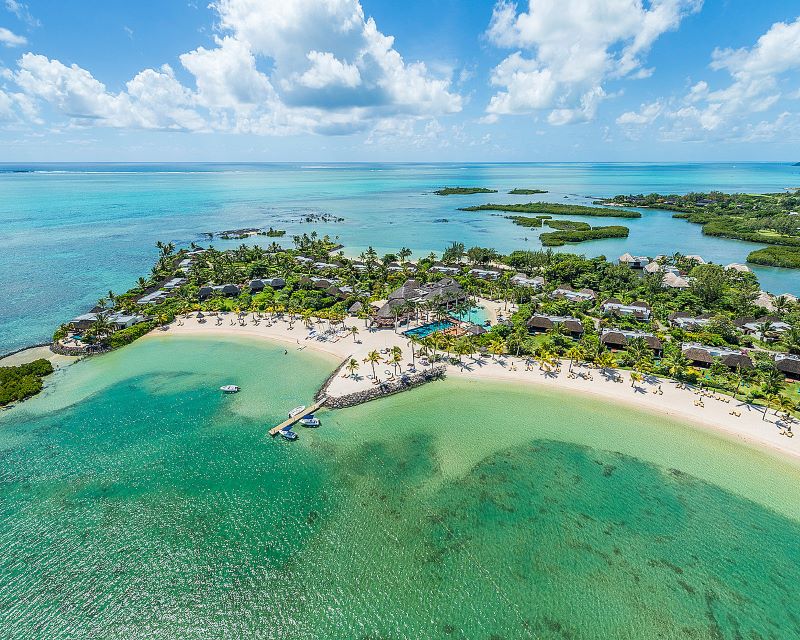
(326,69)
(567,50)
(21,11)
(11,39)
(153,100)
(755,87)
(647,113)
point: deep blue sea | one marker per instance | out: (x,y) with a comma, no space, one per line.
(75,231)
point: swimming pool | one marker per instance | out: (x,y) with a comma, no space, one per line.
(476,315)
(427,329)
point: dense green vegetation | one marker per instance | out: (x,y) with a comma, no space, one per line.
(275,233)
(768,218)
(23,381)
(776,257)
(557,209)
(526,192)
(568,225)
(558,238)
(525,221)
(126,336)
(462,191)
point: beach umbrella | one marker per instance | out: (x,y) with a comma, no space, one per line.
(200,314)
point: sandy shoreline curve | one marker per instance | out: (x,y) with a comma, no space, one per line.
(683,404)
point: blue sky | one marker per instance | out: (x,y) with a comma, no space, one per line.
(377,80)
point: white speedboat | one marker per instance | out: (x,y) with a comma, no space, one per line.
(229,388)
(309,421)
(297,411)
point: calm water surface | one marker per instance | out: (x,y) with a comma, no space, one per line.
(136,501)
(72,232)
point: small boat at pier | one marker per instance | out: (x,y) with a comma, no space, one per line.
(297,411)
(309,421)
(229,388)
(288,434)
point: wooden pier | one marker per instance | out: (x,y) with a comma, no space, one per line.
(291,421)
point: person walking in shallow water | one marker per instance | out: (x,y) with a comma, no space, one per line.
(286,352)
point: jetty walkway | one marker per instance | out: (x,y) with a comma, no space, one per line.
(291,421)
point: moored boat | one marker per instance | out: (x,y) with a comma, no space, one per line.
(297,411)
(229,388)
(288,434)
(309,421)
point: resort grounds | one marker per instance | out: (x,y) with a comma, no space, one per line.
(730,418)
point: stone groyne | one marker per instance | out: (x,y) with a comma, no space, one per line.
(323,390)
(383,389)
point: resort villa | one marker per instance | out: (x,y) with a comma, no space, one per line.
(446,269)
(688,322)
(639,310)
(788,365)
(674,281)
(118,320)
(617,339)
(227,290)
(566,293)
(521,280)
(634,262)
(703,356)
(766,328)
(486,274)
(259,285)
(539,323)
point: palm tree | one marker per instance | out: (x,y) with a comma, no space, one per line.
(786,405)
(411,346)
(352,367)
(677,364)
(354,332)
(463,347)
(764,330)
(403,254)
(373,357)
(635,377)
(397,358)
(497,348)
(575,353)
(606,361)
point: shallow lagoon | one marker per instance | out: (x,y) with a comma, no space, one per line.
(74,231)
(137,501)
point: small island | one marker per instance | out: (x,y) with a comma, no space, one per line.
(787,257)
(766,218)
(23,381)
(462,191)
(557,209)
(526,192)
(580,232)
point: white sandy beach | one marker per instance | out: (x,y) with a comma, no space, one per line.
(34,353)
(677,403)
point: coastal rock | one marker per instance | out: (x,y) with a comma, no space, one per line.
(384,389)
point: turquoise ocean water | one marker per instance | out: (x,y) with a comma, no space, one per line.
(136,501)
(72,232)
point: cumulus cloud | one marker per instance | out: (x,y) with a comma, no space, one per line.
(11,39)
(277,66)
(647,113)
(754,87)
(568,49)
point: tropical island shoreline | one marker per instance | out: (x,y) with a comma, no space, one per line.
(678,402)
